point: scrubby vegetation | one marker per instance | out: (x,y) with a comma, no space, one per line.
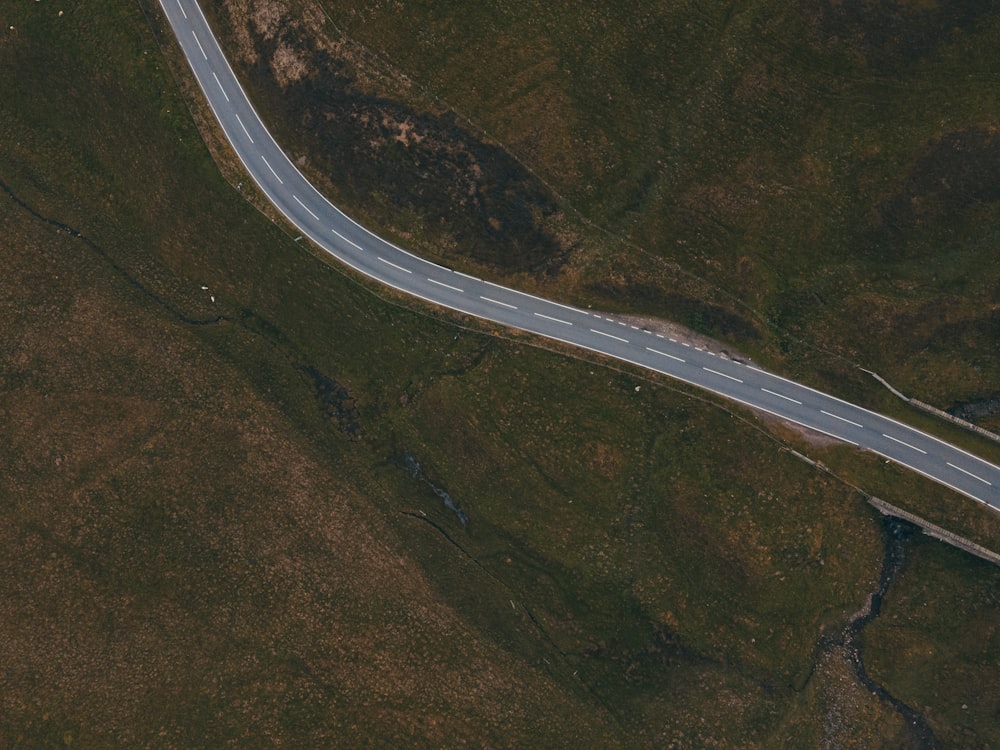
(211,538)
(825,170)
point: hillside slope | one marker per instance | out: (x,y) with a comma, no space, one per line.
(226,465)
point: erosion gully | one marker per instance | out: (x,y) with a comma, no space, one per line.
(896,534)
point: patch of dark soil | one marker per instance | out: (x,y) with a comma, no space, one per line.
(955,170)
(664,652)
(953,175)
(472,196)
(703,317)
(335,401)
(893,33)
(973,411)
(978,334)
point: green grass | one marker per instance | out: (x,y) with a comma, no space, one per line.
(196,552)
(931,646)
(760,146)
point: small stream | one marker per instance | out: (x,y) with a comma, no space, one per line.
(896,534)
(408,462)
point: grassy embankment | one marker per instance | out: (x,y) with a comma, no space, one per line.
(207,539)
(522,210)
(831,173)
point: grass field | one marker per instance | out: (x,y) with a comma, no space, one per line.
(213,534)
(792,176)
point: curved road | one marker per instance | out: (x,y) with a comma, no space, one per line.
(372,256)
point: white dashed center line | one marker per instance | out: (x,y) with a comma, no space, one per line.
(446,286)
(497,302)
(272,170)
(220,85)
(307,208)
(199,44)
(240,121)
(969,473)
(182,9)
(897,440)
(829,414)
(664,354)
(352,243)
(722,374)
(554,320)
(610,336)
(387,262)
(781,395)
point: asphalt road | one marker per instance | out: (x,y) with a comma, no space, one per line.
(378,259)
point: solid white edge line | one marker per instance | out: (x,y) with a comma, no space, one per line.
(338,211)
(446,286)
(554,320)
(220,85)
(537,299)
(273,172)
(664,354)
(240,121)
(321,242)
(897,440)
(390,263)
(896,422)
(968,472)
(842,419)
(497,302)
(694,384)
(722,374)
(305,206)
(701,386)
(610,336)
(936,480)
(781,395)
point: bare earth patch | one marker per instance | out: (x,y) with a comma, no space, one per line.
(682,334)
(685,335)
